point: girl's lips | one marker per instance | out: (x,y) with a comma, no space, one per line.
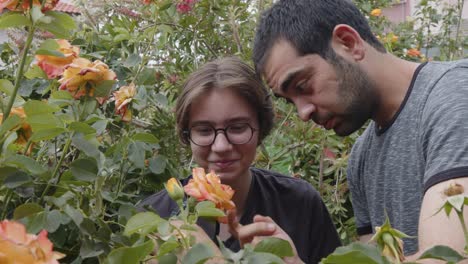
(223,164)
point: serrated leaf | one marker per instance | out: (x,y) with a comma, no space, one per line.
(54,53)
(208,209)
(10,123)
(46,134)
(142,223)
(37,108)
(356,253)
(84,169)
(167,247)
(74,214)
(126,255)
(35,72)
(81,127)
(8,20)
(168,259)
(103,88)
(132,60)
(145,137)
(443,253)
(26,210)
(275,246)
(198,253)
(157,165)
(25,163)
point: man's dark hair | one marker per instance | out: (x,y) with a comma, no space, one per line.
(308,26)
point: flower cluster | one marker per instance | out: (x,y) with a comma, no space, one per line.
(23,5)
(185,6)
(23,132)
(17,246)
(208,187)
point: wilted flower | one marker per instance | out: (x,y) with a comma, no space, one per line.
(82,76)
(376,12)
(53,66)
(22,5)
(174,189)
(389,241)
(17,246)
(185,6)
(122,98)
(24,131)
(208,187)
(454,189)
(413,53)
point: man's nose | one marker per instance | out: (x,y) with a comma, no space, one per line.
(305,110)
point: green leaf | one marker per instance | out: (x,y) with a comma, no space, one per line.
(54,220)
(145,137)
(167,247)
(443,253)
(103,88)
(132,60)
(26,209)
(457,201)
(10,123)
(47,134)
(8,20)
(82,128)
(81,143)
(25,163)
(356,253)
(84,169)
(74,214)
(208,209)
(6,86)
(276,246)
(36,13)
(61,26)
(136,154)
(54,53)
(263,258)
(36,222)
(35,72)
(126,255)
(142,223)
(157,165)
(49,44)
(168,259)
(37,108)
(198,253)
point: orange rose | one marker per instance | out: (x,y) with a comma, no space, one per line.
(82,76)
(122,98)
(208,187)
(22,5)
(17,246)
(53,66)
(376,12)
(174,189)
(413,53)
(23,132)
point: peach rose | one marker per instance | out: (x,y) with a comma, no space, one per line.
(17,246)
(413,53)
(376,12)
(24,131)
(122,98)
(53,66)
(22,5)
(81,77)
(208,187)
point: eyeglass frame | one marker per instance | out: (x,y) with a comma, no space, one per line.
(187,134)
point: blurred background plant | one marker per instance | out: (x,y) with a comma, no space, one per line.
(77,166)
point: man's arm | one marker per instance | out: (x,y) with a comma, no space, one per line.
(439,229)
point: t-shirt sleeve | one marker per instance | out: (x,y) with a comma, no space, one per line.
(358,196)
(161,203)
(445,128)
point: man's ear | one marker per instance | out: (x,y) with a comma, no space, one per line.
(347,42)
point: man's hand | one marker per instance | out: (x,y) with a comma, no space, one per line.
(262,227)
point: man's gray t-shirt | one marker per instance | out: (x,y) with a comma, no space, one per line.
(390,168)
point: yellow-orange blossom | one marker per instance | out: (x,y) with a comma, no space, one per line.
(208,187)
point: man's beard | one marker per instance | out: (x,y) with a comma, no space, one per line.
(356,92)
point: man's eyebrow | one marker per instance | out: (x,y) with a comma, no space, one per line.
(287,81)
